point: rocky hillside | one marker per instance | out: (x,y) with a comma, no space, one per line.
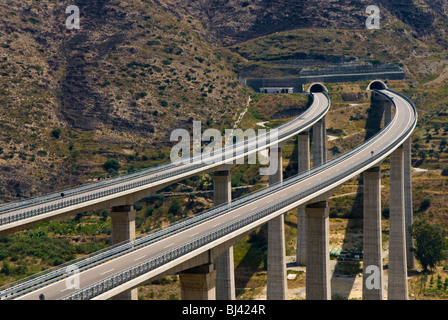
(232,21)
(117,87)
(137,69)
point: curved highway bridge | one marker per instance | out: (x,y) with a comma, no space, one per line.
(200,248)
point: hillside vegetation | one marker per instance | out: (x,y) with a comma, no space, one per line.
(115,88)
(82,105)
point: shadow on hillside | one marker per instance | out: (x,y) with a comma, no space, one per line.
(255,259)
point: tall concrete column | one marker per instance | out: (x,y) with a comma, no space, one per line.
(304,151)
(387,112)
(324,140)
(225,270)
(278,176)
(397,281)
(122,223)
(409,209)
(303,166)
(372,283)
(318,144)
(222,185)
(198,283)
(123,228)
(276,276)
(318,285)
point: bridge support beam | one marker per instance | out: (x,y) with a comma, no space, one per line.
(276,276)
(318,285)
(225,271)
(372,257)
(319,143)
(387,112)
(198,283)
(324,140)
(303,166)
(123,228)
(222,187)
(409,209)
(397,282)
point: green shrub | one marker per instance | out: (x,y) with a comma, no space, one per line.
(425,204)
(111,165)
(175,208)
(56,133)
(445,172)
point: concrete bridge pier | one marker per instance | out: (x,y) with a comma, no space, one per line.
(276,275)
(318,285)
(387,112)
(409,209)
(123,228)
(303,166)
(225,270)
(372,258)
(318,143)
(198,283)
(397,281)
(324,140)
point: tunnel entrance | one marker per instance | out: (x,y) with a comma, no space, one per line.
(377,85)
(317,87)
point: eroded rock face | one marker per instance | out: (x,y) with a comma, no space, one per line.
(232,21)
(130,75)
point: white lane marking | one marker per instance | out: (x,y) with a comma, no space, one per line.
(140,257)
(253,209)
(216,225)
(106,272)
(194,234)
(270,201)
(169,245)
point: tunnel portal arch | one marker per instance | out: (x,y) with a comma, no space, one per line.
(317,87)
(377,85)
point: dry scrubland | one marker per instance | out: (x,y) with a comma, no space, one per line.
(159,72)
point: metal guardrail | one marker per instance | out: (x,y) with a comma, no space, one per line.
(136,271)
(127,247)
(99,194)
(49,276)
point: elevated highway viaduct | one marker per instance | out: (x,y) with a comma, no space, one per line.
(201,251)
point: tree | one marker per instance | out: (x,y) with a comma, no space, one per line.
(443,144)
(445,172)
(175,208)
(422,154)
(6,269)
(56,133)
(111,165)
(424,205)
(430,243)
